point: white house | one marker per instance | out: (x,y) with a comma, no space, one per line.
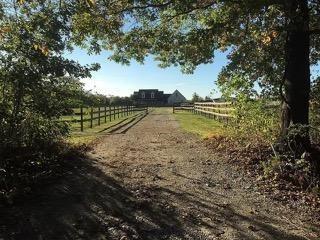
(176,97)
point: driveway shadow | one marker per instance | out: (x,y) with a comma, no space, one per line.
(88,204)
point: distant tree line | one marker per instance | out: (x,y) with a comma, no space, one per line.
(197,98)
(73,95)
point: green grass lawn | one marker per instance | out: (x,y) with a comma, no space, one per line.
(200,125)
(90,134)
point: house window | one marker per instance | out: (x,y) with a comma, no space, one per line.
(152,95)
(143,95)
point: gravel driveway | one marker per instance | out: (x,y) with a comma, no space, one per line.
(154,181)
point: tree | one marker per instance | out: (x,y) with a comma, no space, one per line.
(196,98)
(35,77)
(271,42)
(208,99)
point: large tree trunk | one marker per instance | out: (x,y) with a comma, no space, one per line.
(297,73)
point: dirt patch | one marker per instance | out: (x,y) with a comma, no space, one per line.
(154,182)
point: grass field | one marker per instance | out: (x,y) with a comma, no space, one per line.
(196,124)
(90,134)
(200,125)
(75,126)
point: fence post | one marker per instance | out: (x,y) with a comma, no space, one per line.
(172,108)
(105,113)
(99,116)
(114,112)
(91,117)
(81,118)
(110,112)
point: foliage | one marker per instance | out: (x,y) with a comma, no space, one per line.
(36,84)
(196,98)
(238,86)
(257,124)
(256,120)
(287,165)
(116,100)
(208,99)
(29,152)
(32,69)
(315,111)
(188,33)
(267,42)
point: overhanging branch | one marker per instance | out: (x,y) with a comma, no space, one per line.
(314,31)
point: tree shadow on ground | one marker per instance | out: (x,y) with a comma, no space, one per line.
(88,204)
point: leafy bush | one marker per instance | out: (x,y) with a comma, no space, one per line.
(257,124)
(256,121)
(315,123)
(29,150)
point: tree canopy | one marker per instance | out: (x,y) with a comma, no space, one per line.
(35,76)
(270,43)
(188,33)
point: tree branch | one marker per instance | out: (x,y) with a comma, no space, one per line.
(314,31)
(137,7)
(191,10)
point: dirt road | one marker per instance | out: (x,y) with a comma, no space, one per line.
(154,182)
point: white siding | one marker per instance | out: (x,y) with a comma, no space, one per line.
(176,97)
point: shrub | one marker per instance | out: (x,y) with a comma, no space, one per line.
(29,150)
(256,121)
(315,123)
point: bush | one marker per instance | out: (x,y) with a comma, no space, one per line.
(315,123)
(30,149)
(256,121)
(257,124)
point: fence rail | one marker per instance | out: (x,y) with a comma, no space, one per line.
(220,111)
(96,115)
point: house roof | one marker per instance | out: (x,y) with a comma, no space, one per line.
(149,90)
(177,93)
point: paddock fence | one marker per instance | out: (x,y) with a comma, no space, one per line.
(89,117)
(221,111)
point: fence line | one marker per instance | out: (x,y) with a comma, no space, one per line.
(219,111)
(91,114)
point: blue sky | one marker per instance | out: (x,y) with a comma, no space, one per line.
(116,79)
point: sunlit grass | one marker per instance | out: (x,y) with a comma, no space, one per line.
(89,135)
(200,125)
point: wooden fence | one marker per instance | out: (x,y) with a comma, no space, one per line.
(215,110)
(94,116)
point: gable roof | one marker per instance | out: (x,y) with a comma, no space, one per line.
(176,96)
